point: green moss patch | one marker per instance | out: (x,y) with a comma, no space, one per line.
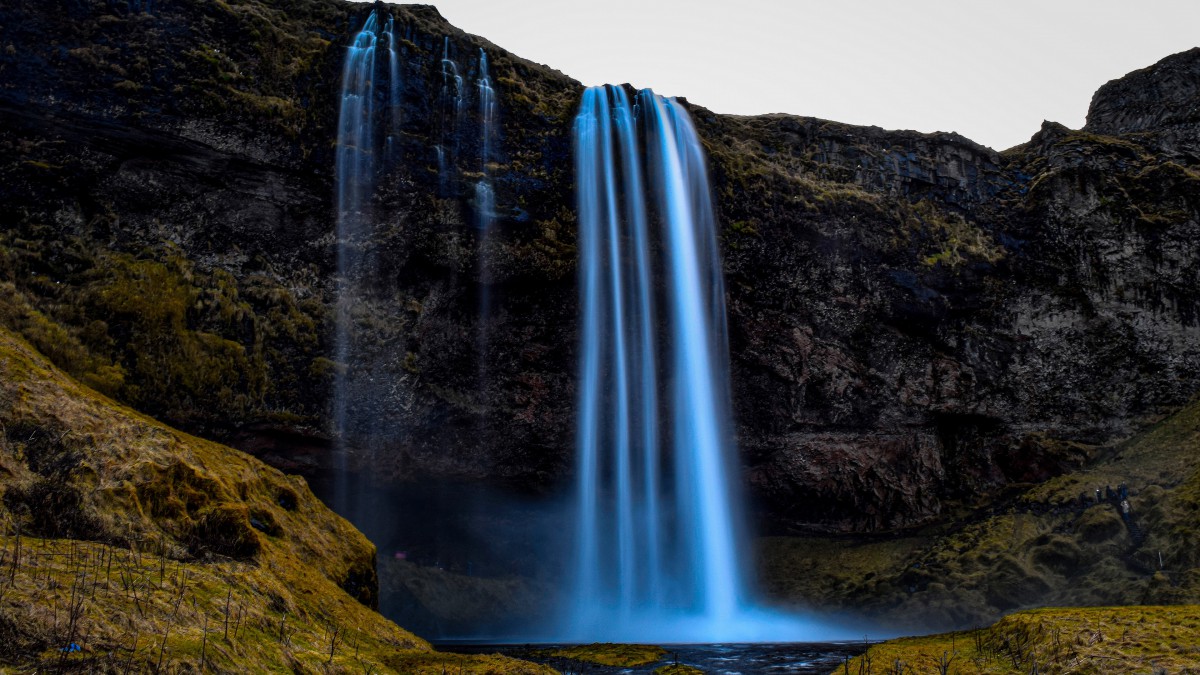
(1049,544)
(678,669)
(1134,639)
(609,654)
(194,347)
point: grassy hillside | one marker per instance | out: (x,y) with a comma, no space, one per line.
(1079,640)
(1050,544)
(131,546)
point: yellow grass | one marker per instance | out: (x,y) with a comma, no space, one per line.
(1114,640)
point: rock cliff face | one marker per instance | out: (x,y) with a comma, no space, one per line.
(916,321)
(1160,104)
(893,355)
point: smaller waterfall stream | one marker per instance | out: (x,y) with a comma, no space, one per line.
(367,136)
(355,174)
(485,200)
(485,216)
(451,100)
(394,109)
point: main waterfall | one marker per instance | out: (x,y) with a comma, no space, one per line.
(660,550)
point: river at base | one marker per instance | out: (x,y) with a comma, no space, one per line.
(712,659)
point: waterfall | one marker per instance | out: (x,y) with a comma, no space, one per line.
(368,134)
(394,109)
(485,215)
(661,554)
(451,102)
(485,200)
(355,152)
(355,172)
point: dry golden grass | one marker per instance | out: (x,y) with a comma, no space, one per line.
(137,608)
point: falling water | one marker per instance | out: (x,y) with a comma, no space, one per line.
(393,87)
(451,100)
(368,135)
(660,554)
(355,151)
(485,201)
(355,171)
(485,215)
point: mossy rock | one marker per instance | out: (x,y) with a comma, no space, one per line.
(225,530)
(678,669)
(610,654)
(1058,553)
(1099,524)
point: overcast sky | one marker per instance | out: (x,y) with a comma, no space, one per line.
(990,71)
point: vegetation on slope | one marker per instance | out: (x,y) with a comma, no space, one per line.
(131,545)
(194,347)
(677,669)
(1050,641)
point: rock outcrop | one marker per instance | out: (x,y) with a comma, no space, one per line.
(1160,104)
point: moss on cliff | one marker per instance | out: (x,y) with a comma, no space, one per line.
(1052,543)
(193,347)
(816,180)
(239,98)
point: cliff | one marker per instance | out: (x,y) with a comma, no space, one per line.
(1156,105)
(1067,542)
(916,321)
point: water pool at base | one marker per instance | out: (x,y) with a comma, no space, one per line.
(714,659)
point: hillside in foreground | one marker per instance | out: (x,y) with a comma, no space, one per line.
(1079,640)
(130,546)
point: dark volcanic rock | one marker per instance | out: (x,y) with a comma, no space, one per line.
(915,320)
(1161,102)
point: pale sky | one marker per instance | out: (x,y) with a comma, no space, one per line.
(991,71)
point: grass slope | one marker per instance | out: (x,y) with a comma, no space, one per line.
(153,550)
(1072,640)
